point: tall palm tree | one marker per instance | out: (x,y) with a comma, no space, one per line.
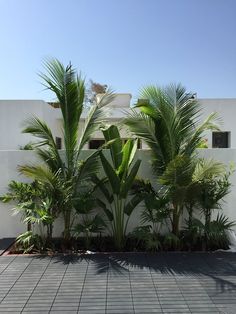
(65,173)
(169,122)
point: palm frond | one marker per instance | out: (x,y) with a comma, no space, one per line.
(212,122)
(208,169)
(39,172)
(87,169)
(96,117)
(39,129)
(69,89)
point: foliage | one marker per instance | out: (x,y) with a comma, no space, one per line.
(118,203)
(65,184)
(168,122)
(35,207)
(28,146)
(29,242)
(65,175)
(25,196)
(90,223)
(203,144)
(145,237)
(171,241)
(209,236)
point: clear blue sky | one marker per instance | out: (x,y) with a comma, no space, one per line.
(123,43)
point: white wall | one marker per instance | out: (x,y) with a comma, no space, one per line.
(226,109)
(10,226)
(13,114)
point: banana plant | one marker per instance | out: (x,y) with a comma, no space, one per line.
(120,170)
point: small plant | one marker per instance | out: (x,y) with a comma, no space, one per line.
(29,242)
(154,215)
(146,239)
(90,223)
(171,241)
(210,236)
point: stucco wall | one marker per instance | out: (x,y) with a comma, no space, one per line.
(11,226)
(13,114)
(226,110)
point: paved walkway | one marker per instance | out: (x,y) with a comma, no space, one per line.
(125,283)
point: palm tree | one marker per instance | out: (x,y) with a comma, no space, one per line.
(65,173)
(169,122)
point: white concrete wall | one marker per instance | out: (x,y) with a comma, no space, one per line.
(226,109)
(10,226)
(13,113)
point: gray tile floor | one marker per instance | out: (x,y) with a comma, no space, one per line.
(194,283)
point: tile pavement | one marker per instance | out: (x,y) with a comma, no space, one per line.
(168,283)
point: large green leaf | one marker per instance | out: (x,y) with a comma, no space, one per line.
(69,89)
(101,184)
(131,205)
(111,174)
(128,153)
(146,108)
(112,135)
(107,211)
(128,181)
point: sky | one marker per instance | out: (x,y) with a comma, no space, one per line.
(126,44)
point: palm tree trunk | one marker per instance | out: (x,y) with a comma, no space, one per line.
(67,222)
(190,215)
(175,220)
(207,226)
(29,226)
(49,232)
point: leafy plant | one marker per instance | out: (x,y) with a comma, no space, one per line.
(146,238)
(171,241)
(118,203)
(23,195)
(91,223)
(65,174)
(29,242)
(168,122)
(212,235)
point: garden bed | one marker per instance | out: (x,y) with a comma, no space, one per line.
(103,245)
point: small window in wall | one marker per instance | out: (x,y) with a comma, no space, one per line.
(58,142)
(220,139)
(95,144)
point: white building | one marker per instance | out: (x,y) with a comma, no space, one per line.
(13,113)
